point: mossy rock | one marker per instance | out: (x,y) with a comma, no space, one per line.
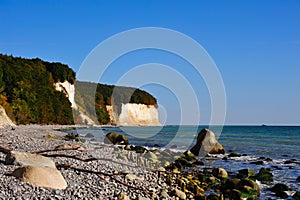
(232,183)
(264,175)
(279,187)
(296,196)
(74,137)
(250,183)
(245,173)
(281,194)
(198,163)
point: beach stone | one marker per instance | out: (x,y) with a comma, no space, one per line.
(123,196)
(24,159)
(220,173)
(296,196)
(207,143)
(115,138)
(130,177)
(180,194)
(41,176)
(70,146)
(142,198)
(164,194)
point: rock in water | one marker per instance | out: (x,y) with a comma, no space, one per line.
(115,138)
(41,176)
(207,143)
(220,173)
(24,158)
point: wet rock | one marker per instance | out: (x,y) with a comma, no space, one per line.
(296,196)
(24,158)
(298,179)
(235,194)
(264,175)
(198,162)
(259,162)
(89,135)
(250,183)
(115,138)
(41,176)
(232,155)
(207,143)
(245,173)
(139,149)
(279,187)
(220,173)
(281,194)
(232,183)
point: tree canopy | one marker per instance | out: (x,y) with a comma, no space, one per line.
(28,93)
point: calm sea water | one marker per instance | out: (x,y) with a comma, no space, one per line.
(280,143)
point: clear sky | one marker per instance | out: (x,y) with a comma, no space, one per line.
(255,45)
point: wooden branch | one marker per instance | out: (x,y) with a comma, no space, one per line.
(55,149)
(4,150)
(98,173)
(87,159)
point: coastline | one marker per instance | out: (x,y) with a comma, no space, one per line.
(110,160)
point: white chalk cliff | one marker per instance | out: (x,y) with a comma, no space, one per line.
(133,114)
(69,90)
(4,119)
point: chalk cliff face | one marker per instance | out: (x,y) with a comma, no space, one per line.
(4,119)
(69,90)
(133,114)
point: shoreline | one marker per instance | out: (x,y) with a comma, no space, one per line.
(111,160)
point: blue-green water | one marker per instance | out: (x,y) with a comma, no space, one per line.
(280,143)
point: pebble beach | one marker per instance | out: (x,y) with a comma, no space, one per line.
(80,185)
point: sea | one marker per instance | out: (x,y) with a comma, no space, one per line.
(280,144)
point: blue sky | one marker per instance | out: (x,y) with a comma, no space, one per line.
(255,45)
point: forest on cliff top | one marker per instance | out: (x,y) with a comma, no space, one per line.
(28,94)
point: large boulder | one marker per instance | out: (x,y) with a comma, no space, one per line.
(24,159)
(41,176)
(207,143)
(115,138)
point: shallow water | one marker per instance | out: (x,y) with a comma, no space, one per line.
(280,143)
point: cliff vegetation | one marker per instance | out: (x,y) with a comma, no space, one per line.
(28,94)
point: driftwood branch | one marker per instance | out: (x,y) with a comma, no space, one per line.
(98,173)
(4,150)
(56,149)
(86,159)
